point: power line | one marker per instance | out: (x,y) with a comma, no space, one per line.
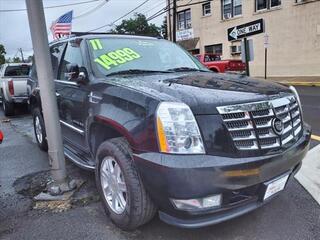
(111,24)
(154,7)
(57,6)
(92,10)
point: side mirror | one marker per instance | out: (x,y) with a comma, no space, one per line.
(72,71)
(76,74)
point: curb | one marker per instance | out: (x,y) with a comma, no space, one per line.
(306,84)
(308,175)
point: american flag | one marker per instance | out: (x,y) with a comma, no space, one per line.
(62,26)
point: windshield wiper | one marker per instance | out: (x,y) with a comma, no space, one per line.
(136,71)
(185,69)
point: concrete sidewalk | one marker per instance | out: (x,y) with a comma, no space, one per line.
(297,81)
(309,174)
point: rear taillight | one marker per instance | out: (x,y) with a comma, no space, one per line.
(11,88)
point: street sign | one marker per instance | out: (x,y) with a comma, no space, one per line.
(266,41)
(246,30)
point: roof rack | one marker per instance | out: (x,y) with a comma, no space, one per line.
(77,34)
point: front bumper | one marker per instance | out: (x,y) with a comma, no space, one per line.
(168,177)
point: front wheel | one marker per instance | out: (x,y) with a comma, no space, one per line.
(39,130)
(119,184)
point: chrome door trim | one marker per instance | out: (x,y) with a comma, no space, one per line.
(72,127)
(67,82)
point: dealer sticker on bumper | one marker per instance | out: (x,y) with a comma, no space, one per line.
(275,186)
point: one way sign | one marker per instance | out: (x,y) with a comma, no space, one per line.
(246,30)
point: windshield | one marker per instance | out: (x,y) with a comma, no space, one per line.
(22,70)
(124,54)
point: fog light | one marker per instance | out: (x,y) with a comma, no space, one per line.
(198,203)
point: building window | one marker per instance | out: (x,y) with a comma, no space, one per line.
(206,9)
(267,4)
(231,8)
(184,19)
(215,49)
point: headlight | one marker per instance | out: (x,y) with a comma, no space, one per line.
(178,131)
(295,92)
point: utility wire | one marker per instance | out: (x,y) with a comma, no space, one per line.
(118,19)
(57,6)
(92,10)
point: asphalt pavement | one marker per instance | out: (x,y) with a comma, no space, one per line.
(294,214)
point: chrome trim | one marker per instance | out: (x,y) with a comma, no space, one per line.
(251,137)
(269,135)
(287,139)
(286,119)
(255,106)
(297,131)
(72,127)
(294,114)
(254,147)
(264,125)
(277,144)
(296,122)
(80,164)
(67,82)
(270,114)
(287,129)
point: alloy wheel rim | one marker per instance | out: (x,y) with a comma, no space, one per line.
(113,185)
(38,129)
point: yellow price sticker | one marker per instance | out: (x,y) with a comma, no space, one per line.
(117,57)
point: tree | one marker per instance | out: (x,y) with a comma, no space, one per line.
(2,54)
(30,59)
(164,28)
(137,26)
(16,60)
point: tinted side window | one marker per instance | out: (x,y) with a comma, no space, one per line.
(72,56)
(56,53)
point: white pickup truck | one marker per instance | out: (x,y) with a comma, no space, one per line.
(13,85)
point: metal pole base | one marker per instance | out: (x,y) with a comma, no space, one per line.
(55,188)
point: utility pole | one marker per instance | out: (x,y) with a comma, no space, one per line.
(169,21)
(48,98)
(20,50)
(174,19)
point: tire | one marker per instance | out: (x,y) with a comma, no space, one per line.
(39,129)
(8,108)
(138,207)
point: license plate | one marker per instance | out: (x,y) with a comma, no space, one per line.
(275,186)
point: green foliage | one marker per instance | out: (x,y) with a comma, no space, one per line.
(137,26)
(2,54)
(16,60)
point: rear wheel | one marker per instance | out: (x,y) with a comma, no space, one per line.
(8,108)
(119,184)
(39,130)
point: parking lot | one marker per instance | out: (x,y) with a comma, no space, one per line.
(294,214)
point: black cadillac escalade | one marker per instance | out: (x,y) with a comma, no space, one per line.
(165,135)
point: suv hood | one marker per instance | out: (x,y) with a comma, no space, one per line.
(202,91)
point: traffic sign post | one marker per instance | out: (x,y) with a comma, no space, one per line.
(246,49)
(266,44)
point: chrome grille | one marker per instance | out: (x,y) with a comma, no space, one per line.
(251,125)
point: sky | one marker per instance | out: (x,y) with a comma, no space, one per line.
(14,26)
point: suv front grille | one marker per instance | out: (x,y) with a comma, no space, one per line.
(252,126)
